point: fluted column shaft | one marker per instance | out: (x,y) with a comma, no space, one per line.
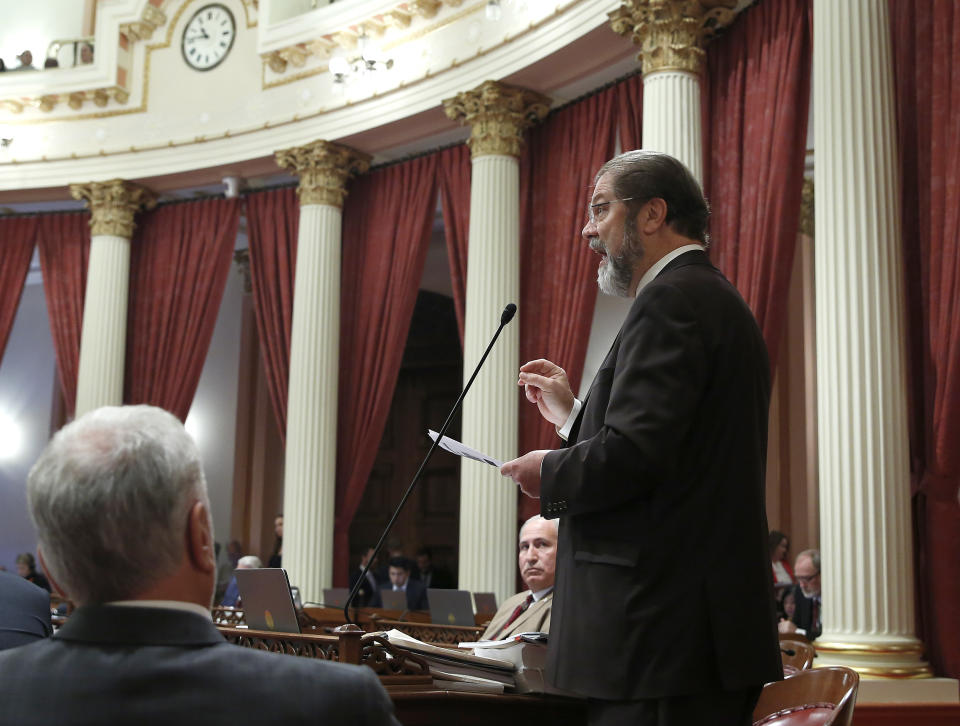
(671,117)
(867,572)
(113,205)
(498,115)
(310,465)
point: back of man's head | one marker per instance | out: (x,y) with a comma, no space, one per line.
(249,562)
(110,497)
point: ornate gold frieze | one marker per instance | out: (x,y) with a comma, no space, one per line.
(150,19)
(807,207)
(425,8)
(671,33)
(498,115)
(398,19)
(113,205)
(324,169)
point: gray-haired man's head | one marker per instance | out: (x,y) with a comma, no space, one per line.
(110,496)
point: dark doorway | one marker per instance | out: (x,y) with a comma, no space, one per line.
(429,382)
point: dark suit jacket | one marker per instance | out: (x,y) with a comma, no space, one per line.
(416,596)
(367,592)
(24,611)
(663,574)
(118,665)
(803,615)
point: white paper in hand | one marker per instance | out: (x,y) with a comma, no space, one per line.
(455,447)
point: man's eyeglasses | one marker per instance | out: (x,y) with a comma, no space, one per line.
(596,212)
(807,578)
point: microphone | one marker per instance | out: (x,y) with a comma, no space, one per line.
(508,312)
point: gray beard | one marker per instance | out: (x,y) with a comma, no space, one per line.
(614,278)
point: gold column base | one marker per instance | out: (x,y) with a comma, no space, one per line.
(901,659)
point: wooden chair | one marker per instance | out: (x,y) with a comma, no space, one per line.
(797,656)
(816,697)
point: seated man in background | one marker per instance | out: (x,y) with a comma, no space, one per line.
(529,611)
(400,580)
(231,597)
(806,616)
(140,647)
(24,611)
(369,589)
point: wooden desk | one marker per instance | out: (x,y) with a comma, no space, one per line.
(436,708)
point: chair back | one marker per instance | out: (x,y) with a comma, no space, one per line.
(797,655)
(815,697)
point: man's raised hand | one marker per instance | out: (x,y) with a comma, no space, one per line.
(545,384)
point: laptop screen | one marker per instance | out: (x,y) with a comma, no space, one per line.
(450,607)
(267,603)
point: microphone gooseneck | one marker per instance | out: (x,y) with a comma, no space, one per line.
(508,312)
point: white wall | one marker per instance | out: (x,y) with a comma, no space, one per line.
(31,26)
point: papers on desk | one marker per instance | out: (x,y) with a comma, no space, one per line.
(527,653)
(457,670)
(455,447)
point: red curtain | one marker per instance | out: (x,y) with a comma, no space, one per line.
(453,178)
(629,94)
(17,237)
(756,98)
(388,219)
(558,287)
(926,50)
(179,263)
(273,220)
(63,242)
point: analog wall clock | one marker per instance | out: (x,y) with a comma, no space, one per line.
(208,37)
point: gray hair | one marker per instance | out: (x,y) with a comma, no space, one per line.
(249,562)
(555,523)
(644,175)
(110,497)
(814,556)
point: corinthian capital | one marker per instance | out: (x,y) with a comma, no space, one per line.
(672,33)
(498,115)
(324,169)
(113,205)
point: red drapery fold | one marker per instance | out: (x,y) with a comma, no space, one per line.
(17,237)
(758,95)
(63,242)
(273,220)
(629,93)
(558,287)
(178,271)
(453,177)
(926,50)
(388,218)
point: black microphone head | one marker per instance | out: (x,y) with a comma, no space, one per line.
(508,313)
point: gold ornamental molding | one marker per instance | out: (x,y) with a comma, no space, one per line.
(151,18)
(113,205)
(324,169)
(899,649)
(672,34)
(498,115)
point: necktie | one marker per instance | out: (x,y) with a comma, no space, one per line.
(516,613)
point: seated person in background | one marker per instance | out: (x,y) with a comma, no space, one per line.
(231,598)
(368,590)
(24,612)
(86,54)
(27,569)
(430,575)
(26,62)
(400,580)
(783,578)
(140,647)
(806,617)
(529,611)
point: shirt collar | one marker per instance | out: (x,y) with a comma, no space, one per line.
(663,262)
(190,607)
(540,594)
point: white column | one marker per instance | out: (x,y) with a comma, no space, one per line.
(671,117)
(113,205)
(672,35)
(498,115)
(310,465)
(867,561)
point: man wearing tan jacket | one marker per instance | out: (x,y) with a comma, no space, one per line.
(529,611)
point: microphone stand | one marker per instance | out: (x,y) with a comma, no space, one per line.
(508,312)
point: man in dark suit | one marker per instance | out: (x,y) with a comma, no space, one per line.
(806,616)
(24,611)
(400,580)
(140,647)
(660,488)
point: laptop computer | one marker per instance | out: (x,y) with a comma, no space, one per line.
(267,602)
(450,607)
(335,597)
(393,599)
(485,603)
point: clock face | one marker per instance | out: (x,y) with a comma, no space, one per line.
(208,37)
